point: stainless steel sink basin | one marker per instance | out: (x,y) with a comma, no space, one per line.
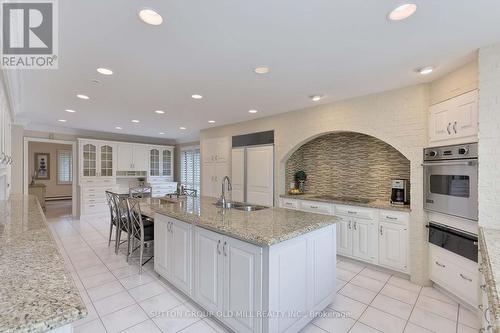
(242,206)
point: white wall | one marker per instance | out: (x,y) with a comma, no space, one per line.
(489,136)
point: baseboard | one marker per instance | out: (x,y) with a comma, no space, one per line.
(58,198)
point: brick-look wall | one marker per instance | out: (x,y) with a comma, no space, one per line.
(489,136)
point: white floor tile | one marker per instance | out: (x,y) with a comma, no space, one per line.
(345,274)
(126,271)
(382,321)
(98,279)
(161,303)
(374,274)
(199,327)
(311,328)
(434,293)
(113,303)
(94,326)
(334,322)
(438,307)
(468,317)
(94,270)
(175,319)
(400,294)
(358,293)
(147,290)
(368,283)
(136,280)
(216,326)
(347,306)
(351,266)
(339,284)
(392,306)
(412,328)
(404,283)
(105,290)
(432,321)
(147,326)
(466,329)
(91,315)
(124,318)
(359,327)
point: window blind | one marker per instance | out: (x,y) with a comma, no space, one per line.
(64,167)
(190,168)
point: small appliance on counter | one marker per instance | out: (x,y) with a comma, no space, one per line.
(400,192)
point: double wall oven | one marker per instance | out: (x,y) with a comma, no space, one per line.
(450,180)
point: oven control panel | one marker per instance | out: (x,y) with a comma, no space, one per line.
(455,152)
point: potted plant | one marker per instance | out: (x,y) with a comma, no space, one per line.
(300,179)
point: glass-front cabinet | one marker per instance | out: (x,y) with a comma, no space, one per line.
(97,159)
(167,162)
(154,162)
(161,162)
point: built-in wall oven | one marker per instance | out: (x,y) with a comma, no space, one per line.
(450,180)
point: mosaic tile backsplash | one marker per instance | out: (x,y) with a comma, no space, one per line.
(348,164)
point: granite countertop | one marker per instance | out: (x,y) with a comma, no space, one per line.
(380,204)
(265,227)
(36,292)
(489,246)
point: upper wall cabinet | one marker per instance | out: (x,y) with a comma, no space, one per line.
(132,157)
(96,159)
(216,150)
(161,162)
(455,120)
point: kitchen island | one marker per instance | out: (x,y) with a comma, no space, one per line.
(270,270)
(37,294)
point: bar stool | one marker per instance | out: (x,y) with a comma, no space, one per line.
(139,231)
(140,192)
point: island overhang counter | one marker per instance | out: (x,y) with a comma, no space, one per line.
(271,270)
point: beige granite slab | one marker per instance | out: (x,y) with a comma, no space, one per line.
(489,246)
(264,227)
(36,292)
(379,204)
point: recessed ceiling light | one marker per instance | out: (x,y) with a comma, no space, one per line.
(252,111)
(150,16)
(211,121)
(196,96)
(82,96)
(261,70)
(105,71)
(70,111)
(402,12)
(161,133)
(62,120)
(135,121)
(118,128)
(182,128)
(425,70)
(316,98)
(160,111)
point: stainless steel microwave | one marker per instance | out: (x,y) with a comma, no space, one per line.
(451,180)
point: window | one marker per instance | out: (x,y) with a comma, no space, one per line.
(64,167)
(190,168)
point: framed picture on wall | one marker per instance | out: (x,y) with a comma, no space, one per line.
(42,166)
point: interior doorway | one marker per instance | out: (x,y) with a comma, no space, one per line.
(50,174)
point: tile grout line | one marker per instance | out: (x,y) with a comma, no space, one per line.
(413,308)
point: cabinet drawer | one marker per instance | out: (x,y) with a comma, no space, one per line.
(393,216)
(316,207)
(358,212)
(290,203)
(94,208)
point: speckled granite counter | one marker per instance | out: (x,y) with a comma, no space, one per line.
(36,292)
(372,204)
(489,246)
(264,227)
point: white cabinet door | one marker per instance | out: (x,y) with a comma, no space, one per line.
(364,240)
(180,255)
(393,242)
(125,157)
(209,147)
(141,158)
(465,122)
(440,121)
(344,236)
(167,162)
(242,284)
(238,174)
(260,176)
(208,269)
(160,245)
(208,179)
(223,149)
(324,264)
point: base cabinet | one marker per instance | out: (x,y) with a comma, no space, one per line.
(392,245)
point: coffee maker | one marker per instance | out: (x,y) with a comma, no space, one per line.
(400,192)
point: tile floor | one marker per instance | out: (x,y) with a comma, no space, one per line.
(120,300)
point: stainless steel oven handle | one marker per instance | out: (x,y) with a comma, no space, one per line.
(469,162)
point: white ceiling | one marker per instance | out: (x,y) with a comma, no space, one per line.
(336,48)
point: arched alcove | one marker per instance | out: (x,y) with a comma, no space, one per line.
(348,164)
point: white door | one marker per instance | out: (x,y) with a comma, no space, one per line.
(392,245)
(466,115)
(238,174)
(364,240)
(208,269)
(141,158)
(180,256)
(125,157)
(260,176)
(242,284)
(344,236)
(440,125)
(160,246)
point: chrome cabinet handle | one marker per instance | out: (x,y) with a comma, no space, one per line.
(483,287)
(455,127)
(314,207)
(351,212)
(218,247)
(465,277)
(391,218)
(355,225)
(381,231)
(350,225)
(448,128)
(440,265)
(224,249)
